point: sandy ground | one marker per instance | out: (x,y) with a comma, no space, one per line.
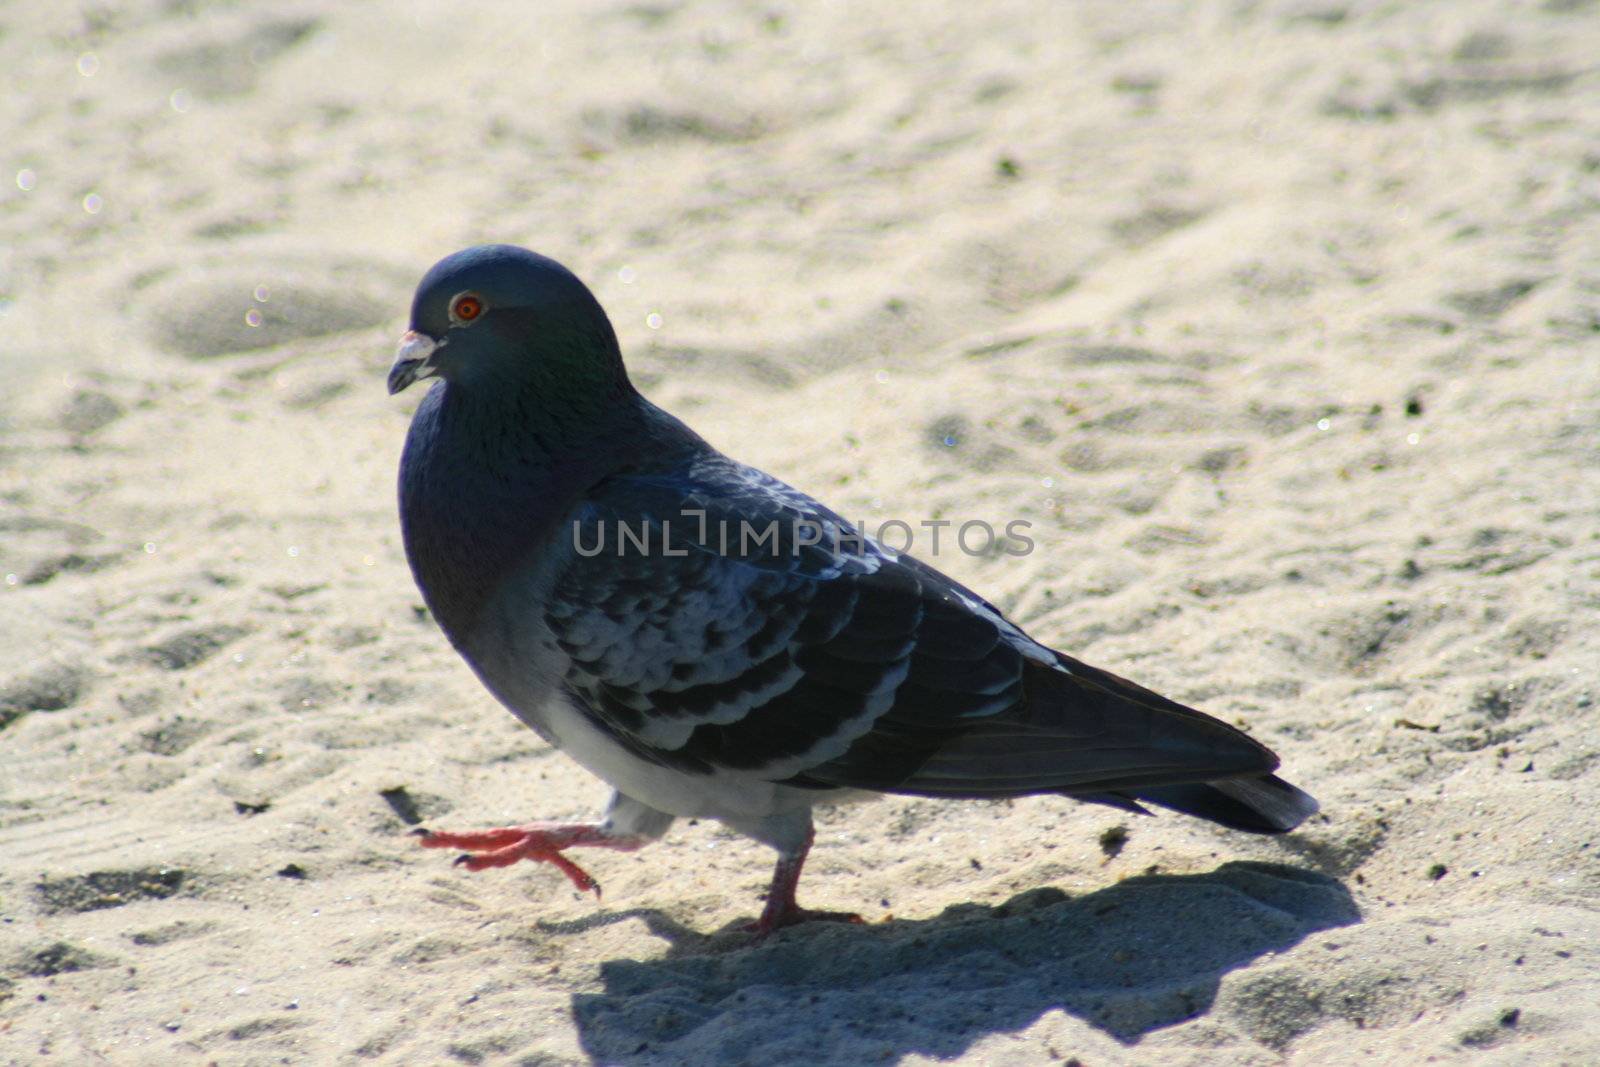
(1280,321)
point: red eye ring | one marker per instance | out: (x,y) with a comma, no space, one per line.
(466,307)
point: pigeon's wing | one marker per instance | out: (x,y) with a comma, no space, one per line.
(713,619)
(704,642)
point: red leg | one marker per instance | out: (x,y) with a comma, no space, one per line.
(540,841)
(782,909)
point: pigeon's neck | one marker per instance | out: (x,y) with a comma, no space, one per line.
(486,481)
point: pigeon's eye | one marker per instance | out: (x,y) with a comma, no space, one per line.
(465,307)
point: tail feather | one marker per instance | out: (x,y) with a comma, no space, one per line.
(1081,732)
(1263,805)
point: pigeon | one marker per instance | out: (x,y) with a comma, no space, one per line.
(710,641)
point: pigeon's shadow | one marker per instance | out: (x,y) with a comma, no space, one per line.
(1136,956)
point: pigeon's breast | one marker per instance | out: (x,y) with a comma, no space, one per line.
(470,523)
(517,658)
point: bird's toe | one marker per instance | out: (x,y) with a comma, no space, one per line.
(780,919)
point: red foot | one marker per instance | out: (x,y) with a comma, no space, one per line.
(542,842)
(794,916)
(781,909)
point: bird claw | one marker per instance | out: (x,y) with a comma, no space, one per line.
(581,879)
(541,843)
(765,926)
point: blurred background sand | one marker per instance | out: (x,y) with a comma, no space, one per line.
(1280,321)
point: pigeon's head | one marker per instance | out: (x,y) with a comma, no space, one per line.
(498,317)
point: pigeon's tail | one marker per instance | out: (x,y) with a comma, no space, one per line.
(1086,733)
(1256,803)
(1262,805)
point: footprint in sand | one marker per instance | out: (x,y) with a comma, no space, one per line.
(265,308)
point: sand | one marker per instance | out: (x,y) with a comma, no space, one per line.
(1279,321)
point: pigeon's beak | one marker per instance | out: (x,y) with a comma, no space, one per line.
(412,360)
